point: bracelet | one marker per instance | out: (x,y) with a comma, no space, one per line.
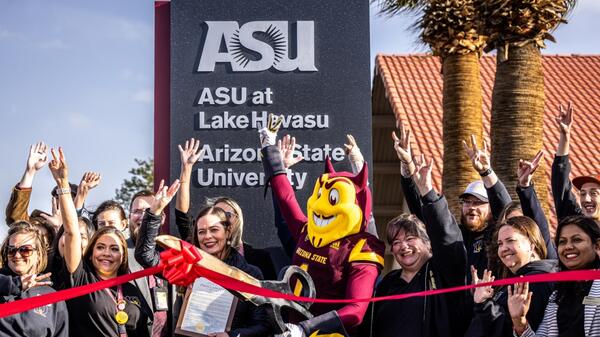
(486,172)
(64,190)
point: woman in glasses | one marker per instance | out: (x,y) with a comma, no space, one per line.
(115,311)
(24,256)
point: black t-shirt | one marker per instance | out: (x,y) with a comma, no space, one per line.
(93,314)
(391,318)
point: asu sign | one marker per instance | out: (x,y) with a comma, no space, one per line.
(228,64)
(258,46)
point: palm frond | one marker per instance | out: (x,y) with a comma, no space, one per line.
(570,5)
(395,7)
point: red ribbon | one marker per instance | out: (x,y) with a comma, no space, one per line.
(180,268)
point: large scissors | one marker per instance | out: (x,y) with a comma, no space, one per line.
(272,305)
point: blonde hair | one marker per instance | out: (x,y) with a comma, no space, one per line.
(237,226)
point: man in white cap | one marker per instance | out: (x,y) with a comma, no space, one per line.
(482,201)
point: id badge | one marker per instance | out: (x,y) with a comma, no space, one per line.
(161,299)
(589,300)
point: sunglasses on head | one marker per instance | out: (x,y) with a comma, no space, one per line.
(24,250)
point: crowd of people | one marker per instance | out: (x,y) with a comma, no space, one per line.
(335,242)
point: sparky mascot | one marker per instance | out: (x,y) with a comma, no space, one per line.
(332,244)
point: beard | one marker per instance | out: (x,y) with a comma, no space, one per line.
(474,226)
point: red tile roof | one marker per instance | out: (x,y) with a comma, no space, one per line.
(413,87)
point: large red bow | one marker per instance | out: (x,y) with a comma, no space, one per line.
(180,267)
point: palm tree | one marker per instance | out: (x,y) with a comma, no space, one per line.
(449,27)
(517,30)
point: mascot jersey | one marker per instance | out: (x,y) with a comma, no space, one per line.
(332,245)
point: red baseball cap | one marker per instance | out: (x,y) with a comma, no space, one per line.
(579,181)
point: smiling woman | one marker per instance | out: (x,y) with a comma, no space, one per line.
(24,256)
(571,308)
(114,311)
(522,251)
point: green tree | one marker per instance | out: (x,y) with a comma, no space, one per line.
(142,178)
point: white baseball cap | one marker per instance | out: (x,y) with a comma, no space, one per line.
(476,189)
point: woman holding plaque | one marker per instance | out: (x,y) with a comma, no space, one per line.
(113,311)
(190,154)
(212,232)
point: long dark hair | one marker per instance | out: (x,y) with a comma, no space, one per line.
(587,225)
(87,256)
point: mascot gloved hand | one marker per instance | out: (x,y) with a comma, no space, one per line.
(328,324)
(268,134)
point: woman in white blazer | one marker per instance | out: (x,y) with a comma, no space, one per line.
(574,307)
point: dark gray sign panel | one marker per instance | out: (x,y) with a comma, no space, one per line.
(234,62)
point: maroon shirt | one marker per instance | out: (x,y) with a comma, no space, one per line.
(346,268)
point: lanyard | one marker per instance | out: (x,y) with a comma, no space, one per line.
(121,316)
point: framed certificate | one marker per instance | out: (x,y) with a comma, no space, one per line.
(207,308)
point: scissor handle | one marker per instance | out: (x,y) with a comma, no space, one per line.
(308,285)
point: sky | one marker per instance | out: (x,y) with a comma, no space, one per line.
(79,74)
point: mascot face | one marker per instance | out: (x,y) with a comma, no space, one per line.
(336,207)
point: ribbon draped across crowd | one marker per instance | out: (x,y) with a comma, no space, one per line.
(335,285)
(179,266)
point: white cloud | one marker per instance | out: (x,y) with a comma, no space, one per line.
(143,96)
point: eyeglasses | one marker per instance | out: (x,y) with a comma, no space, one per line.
(138,211)
(474,203)
(24,250)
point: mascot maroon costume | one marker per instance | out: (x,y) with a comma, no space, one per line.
(332,244)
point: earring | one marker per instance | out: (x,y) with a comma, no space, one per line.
(228,242)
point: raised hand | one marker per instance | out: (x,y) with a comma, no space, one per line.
(89,181)
(33,280)
(354,154)
(423,175)
(38,157)
(268,134)
(526,169)
(518,305)
(402,144)
(482,294)
(56,218)
(286,146)
(565,118)
(58,167)
(480,158)
(163,196)
(190,152)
